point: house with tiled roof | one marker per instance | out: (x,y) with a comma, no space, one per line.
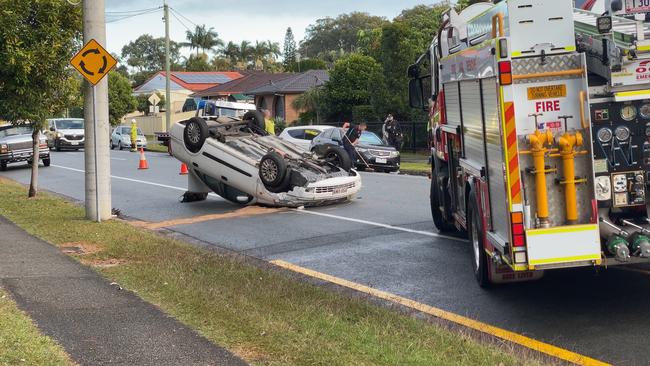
(183,84)
(234,90)
(278,95)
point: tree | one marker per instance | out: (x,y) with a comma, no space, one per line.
(120,97)
(349,85)
(37,39)
(198,63)
(202,39)
(289,48)
(306,65)
(311,101)
(147,55)
(333,37)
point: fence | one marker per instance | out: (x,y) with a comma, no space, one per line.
(414,133)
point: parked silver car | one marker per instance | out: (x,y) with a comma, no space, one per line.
(121,138)
(16,146)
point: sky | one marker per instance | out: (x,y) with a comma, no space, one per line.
(237,20)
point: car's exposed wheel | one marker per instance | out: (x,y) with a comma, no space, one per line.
(273,170)
(119,145)
(337,156)
(195,133)
(47,161)
(3,166)
(477,240)
(255,121)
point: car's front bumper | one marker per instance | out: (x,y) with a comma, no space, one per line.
(324,192)
(73,144)
(379,162)
(15,156)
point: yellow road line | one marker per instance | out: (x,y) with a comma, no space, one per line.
(458,319)
(244,212)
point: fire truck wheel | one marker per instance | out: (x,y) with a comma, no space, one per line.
(477,240)
(437,178)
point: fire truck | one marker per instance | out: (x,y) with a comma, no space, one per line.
(539,142)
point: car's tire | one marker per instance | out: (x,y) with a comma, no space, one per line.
(3,166)
(337,156)
(47,161)
(255,120)
(438,178)
(194,134)
(112,146)
(273,170)
(57,145)
(119,145)
(477,240)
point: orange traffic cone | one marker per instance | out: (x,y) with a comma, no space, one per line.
(184,169)
(143,160)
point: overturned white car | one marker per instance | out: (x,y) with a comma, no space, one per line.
(237,160)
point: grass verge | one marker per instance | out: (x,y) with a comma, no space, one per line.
(415,167)
(157,148)
(20,341)
(266,317)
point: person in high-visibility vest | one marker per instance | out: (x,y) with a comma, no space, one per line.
(134,136)
(269,123)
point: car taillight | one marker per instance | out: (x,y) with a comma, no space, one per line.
(518,232)
(505,73)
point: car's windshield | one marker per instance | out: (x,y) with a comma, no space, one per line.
(14,131)
(70,124)
(127,131)
(369,138)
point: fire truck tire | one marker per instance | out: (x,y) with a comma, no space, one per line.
(477,240)
(437,177)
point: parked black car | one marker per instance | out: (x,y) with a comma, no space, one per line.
(379,156)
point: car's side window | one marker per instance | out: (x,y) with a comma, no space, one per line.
(310,134)
(298,133)
(336,134)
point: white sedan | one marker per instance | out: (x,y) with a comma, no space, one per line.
(237,160)
(302,135)
(121,138)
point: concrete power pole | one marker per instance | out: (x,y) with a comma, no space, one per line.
(168,94)
(96,152)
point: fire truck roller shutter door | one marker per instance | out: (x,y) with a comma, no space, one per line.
(472,122)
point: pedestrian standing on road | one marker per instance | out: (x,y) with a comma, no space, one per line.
(351,138)
(269,124)
(134,136)
(393,130)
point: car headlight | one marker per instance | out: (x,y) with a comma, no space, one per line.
(59,134)
(362,150)
(4,148)
(394,154)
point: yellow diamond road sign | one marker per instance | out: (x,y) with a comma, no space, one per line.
(93,62)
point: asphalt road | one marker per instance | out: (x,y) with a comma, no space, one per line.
(386,240)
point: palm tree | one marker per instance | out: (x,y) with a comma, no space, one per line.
(246,51)
(273,49)
(231,52)
(202,39)
(310,101)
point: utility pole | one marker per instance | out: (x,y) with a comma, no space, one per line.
(168,94)
(96,152)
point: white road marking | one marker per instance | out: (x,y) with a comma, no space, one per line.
(118,159)
(377,224)
(343,218)
(126,179)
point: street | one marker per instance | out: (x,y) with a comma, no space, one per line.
(386,240)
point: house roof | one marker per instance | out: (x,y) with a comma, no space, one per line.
(294,84)
(239,86)
(193,81)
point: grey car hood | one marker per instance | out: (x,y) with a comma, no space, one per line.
(78,132)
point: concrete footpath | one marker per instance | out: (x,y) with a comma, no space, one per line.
(96,322)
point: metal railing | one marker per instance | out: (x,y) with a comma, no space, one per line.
(414,134)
